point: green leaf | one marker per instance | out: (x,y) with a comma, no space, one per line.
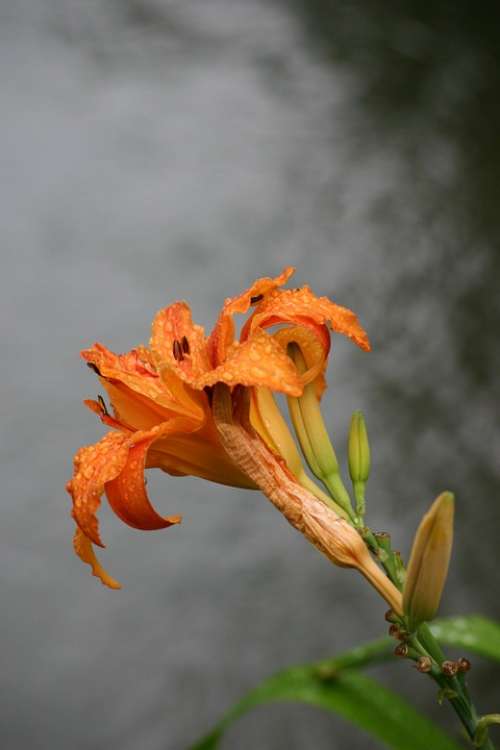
(351,695)
(472,633)
(337,686)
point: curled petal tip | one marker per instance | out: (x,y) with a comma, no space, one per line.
(84,550)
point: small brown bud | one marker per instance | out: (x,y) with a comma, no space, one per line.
(449,668)
(394,631)
(401,650)
(463,664)
(424,664)
(390,616)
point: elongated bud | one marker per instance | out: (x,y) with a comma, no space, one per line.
(429,560)
(267,419)
(359,459)
(313,437)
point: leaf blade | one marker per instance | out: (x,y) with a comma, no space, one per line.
(329,683)
(351,695)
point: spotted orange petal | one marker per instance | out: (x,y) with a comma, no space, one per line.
(85,551)
(258,361)
(302,306)
(141,397)
(178,343)
(222,336)
(94,465)
(134,369)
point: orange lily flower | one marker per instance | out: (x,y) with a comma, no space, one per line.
(163,411)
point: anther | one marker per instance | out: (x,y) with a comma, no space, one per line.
(424,664)
(177,351)
(463,664)
(102,404)
(449,668)
(93,367)
(185,345)
(254,300)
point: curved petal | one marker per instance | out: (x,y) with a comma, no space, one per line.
(94,465)
(83,548)
(258,361)
(222,336)
(127,492)
(301,306)
(314,343)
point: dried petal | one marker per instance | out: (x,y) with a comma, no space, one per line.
(329,533)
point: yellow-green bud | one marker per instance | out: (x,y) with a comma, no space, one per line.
(429,560)
(313,436)
(359,449)
(359,459)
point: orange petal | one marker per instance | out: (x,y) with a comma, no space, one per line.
(314,342)
(222,336)
(94,465)
(134,369)
(258,361)
(85,551)
(179,344)
(127,493)
(140,396)
(301,306)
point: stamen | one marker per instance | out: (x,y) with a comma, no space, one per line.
(177,351)
(185,345)
(254,300)
(103,406)
(93,367)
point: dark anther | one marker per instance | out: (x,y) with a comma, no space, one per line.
(449,668)
(401,650)
(93,367)
(102,404)
(177,350)
(463,664)
(210,393)
(424,664)
(185,345)
(254,300)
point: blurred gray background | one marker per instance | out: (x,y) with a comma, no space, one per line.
(152,151)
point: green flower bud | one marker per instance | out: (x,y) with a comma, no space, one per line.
(359,459)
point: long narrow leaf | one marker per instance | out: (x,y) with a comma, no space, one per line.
(335,685)
(353,696)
